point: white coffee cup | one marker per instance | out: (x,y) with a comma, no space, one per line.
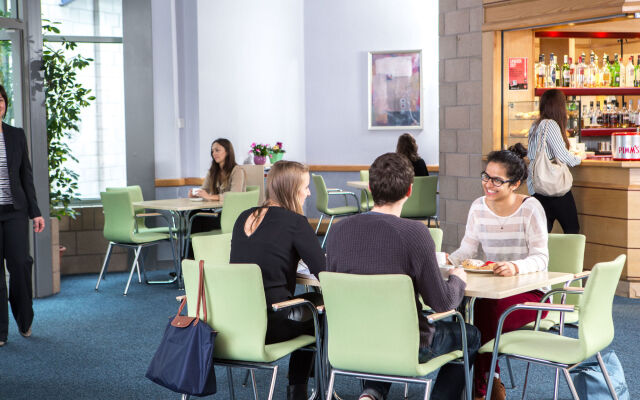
(194,191)
(441,256)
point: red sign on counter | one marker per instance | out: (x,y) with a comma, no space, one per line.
(518,73)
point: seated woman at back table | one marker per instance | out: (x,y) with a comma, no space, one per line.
(224,175)
(408,147)
(276,236)
(509,229)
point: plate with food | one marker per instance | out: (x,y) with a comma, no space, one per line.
(478,266)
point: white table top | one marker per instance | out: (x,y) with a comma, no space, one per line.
(491,286)
(358,184)
(182,204)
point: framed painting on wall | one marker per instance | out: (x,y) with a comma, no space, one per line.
(395,89)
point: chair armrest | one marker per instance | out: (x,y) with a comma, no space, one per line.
(438,316)
(149,215)
(340,192)
(345,194)
(549,306)
(334,189)
(287,303)
(574,290)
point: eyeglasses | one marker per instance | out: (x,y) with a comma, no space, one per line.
(497,182)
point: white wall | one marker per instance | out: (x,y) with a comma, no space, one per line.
(251,75)
(338,36)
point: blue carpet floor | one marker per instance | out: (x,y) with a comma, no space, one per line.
(97,345)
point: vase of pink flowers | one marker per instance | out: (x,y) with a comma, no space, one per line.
(260,153)
(276,152)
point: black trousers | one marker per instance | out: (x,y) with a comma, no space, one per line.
(563,209)
(281,328)
(14,250)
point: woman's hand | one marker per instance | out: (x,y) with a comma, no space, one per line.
(504,268)
(193,193)
(38,224)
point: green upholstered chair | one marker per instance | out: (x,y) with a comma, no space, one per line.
(136,196)
(252,188)
(366,198)
(322,204)
(566,254)
(238,311)
(233,205)
(595,331)
(120,230)
(422,202)
(381,343)
(436,235)
(212,247)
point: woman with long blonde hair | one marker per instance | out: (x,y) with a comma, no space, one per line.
(276,236)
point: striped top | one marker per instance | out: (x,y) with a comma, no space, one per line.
(520,238)
(555,147)
(5,184)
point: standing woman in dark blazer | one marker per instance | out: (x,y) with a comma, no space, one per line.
(17,205)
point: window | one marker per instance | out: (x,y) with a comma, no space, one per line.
(96,25)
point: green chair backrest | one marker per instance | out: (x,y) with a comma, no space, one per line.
(436,235)
(233,205)
(236,307)
(366,193)
(136,195)
(566,254)
(369,332)
(214,248)
(118,216)
(595,330)
(252,188)
(322,198)
(422,202)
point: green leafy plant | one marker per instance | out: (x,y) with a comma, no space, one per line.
(259,149)
(65,97)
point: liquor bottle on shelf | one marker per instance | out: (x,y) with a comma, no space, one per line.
(595,114)
(595,71)
(586,118)
(636,74)
(599,116)
(572,73)
(605,72)
(614,116)
(615,71)
(541,72)
(566,73)
(629,73)
(606,113)
(580,72)
(553,71)
(632,114)
(623,116)
(623,72)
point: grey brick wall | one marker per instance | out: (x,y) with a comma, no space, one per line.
(460,114)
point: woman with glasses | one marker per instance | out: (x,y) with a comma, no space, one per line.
(509,229)
(553,120)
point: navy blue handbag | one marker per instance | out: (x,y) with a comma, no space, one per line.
(184,359)
(590,383)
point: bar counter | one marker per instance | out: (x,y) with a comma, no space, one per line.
(607,195)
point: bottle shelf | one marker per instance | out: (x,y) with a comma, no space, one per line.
(604,131)
(604,91)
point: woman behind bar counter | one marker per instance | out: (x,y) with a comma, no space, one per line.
(553,117)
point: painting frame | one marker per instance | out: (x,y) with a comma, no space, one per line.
(395,90)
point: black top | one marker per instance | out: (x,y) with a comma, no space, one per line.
(376,243)
(420,168)
(280,241)
(20,173)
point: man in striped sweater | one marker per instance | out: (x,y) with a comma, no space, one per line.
(380,242)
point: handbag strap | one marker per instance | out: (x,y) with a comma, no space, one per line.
(201,295)
(541,145)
